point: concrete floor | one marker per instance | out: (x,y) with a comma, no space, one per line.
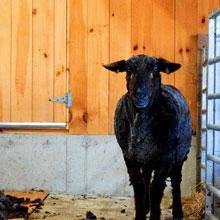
(66,207)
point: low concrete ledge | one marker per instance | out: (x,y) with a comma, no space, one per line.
(72,164)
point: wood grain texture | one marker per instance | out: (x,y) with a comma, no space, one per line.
(43,60)
(97,32)
(98,54)
(163,33)
(186,52)
(5,57)
(120,48)
(205,7)
(212,5)
(60,58)
(21,77)
(78,55)
(141,27)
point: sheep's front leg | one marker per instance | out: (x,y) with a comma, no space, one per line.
(138,184)
(176,178)
(147,178)
(156,191)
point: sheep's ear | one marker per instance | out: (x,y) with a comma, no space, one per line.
(119,66)
(168,67)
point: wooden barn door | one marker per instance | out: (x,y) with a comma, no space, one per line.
(33,67)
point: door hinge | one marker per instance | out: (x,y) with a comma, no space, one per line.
(67,99)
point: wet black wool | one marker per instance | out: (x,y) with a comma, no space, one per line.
(153,128)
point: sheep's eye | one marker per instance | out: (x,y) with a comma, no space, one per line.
(151,75)
(156,69)
(129,76)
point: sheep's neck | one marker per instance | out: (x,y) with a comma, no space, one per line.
(142,121)
(153,104)
(152,107)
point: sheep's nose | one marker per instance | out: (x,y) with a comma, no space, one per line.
(140,92)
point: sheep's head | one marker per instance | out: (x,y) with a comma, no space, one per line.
(143,76)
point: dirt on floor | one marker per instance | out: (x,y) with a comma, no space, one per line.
(66,207)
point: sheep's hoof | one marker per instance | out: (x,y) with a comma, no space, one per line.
(156,217)
(140,217)
(147,211)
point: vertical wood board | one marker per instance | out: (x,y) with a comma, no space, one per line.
(205,7)
(78,55)
(120,48)
(163,33)
(21,64)
(186,52)
(60,58)
(43,60)
(141,27)
(5,57)
(98,53)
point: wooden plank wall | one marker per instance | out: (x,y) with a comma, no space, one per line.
(186,52)
(33,53)
(205,6)
(120,47)
(110,30)
(98,53)
(60,79)
(43,50)
(5,56)
(38,54)
(21,52)
(78,64)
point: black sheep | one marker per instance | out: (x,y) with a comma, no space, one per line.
(153,128)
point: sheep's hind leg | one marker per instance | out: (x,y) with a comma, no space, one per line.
(137,182)
(176,178)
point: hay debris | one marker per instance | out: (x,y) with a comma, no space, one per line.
(194,205)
